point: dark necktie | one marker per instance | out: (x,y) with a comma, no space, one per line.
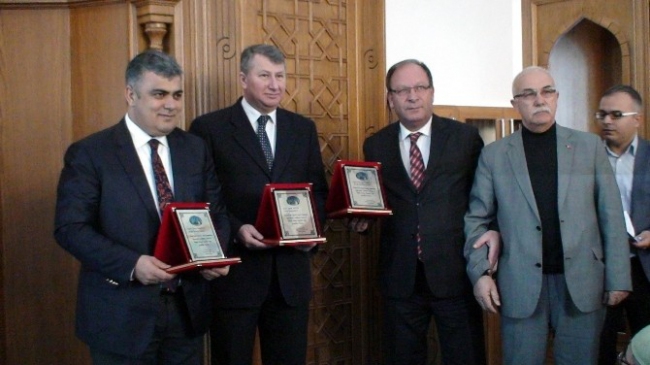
(417,175)
(416,161)
(164,190)
(264,139)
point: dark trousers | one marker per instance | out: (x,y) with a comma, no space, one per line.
(459,323)
(637,309)
(282,331)
(171,343)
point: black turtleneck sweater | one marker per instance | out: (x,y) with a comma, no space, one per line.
(541,158)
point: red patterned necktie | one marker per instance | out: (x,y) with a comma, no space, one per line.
(264,139)
(163,188)
(416,161)
(417,175)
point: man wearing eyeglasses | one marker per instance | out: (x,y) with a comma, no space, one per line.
(619,116)
(563,252)
(428,164)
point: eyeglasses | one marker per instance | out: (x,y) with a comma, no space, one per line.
(530,95)
(419,89)
(614,114)
(621,359)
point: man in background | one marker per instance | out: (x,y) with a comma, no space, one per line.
(112,189)
(563,253)
(620,115)
(428,165)
(254,142)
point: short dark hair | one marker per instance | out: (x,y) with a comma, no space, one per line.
(626,89)
(395,67)
(154,61)
(269,51)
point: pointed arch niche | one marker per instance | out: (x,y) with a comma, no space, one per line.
(585,61)
(589,45)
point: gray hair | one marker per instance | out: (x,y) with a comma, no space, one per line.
(154,61)
(269,51)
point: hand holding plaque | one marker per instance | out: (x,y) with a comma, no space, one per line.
(187,239)
(286,216)
(356,190)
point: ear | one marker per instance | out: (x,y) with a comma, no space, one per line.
(129,95)
(512,102)
(242,79)
(389,101)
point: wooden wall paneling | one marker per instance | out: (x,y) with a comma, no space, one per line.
(100,51)
(368,99)
(545,21)
(211,51)
(35,120)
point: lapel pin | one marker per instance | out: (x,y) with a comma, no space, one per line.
(568,146)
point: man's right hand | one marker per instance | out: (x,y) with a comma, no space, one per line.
(250,237)
(486,294)
(492,239)
(150,270)
(357,224)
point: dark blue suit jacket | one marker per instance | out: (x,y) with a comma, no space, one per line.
(106,217)
(439,209)
(640,200)
(243,172)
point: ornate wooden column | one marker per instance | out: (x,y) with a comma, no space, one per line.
(156,18)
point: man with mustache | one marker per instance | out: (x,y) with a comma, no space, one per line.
(564,252)
(254,142)
(619,116)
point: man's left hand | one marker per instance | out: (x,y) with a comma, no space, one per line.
(215,272)
(615,296)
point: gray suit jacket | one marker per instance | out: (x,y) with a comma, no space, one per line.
(640,213)
(594,240)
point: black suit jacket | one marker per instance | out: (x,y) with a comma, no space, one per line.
(439,208)
(106,217)
(640,200)
(243,172)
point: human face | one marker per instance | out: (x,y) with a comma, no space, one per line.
(155,103)
(414,107)
(264,84)
(619,133)
(538,112)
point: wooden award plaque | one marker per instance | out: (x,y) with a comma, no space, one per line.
(356,190)
(287,216)
(187,239)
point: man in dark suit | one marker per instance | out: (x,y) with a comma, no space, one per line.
(619,115)
(129,309)
(254,143)
(428,165)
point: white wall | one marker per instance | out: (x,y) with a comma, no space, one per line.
(473,47)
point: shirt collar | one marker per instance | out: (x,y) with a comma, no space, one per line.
(139,136)
(253,114)
(425,130)
(631,149)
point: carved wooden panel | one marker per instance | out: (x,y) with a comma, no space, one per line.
(545,22)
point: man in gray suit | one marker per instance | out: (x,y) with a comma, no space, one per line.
(564,248)
(619,115)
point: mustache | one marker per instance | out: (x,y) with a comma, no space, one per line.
(543,109)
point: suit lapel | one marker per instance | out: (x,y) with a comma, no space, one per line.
(245,136)
(393,157)
(439,137)
(178,152)
(285,138)
(640,179)
(565,157)
(517,158)
(131,163)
